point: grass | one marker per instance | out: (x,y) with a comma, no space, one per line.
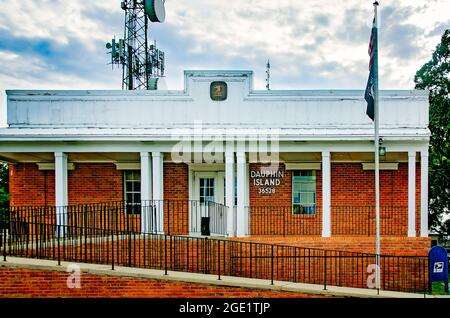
(439,289)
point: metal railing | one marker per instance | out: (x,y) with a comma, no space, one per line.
(215,213)
(345,220)
(184,217)
(360,220)
(281,220)
(173,217)
(213,256)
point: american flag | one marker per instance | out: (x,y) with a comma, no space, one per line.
(372,44)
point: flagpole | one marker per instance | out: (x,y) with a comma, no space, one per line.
(377,147)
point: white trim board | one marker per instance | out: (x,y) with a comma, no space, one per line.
(51,166)
(383,166)
(207,167)
(128,165)
(303,166)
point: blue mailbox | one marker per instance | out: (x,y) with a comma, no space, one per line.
(438,262)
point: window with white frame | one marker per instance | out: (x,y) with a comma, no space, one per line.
(132,191)
(207,190)
(303,192)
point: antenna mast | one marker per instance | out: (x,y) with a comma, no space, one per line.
(142,64)
(268,75)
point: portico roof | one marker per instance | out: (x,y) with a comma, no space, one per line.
(170,134)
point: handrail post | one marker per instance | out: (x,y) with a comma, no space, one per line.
(168,216)
(165,255)
(271,262)
(325,271)
(218,260)
(430,284)
(424,269)
(4,243)
(59,245)
(112,250)
(85,234)
(9,241)
(129,247)
(206,255)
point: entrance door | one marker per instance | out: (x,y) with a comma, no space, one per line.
(206,199)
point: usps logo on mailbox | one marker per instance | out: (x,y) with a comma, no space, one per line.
(438,267)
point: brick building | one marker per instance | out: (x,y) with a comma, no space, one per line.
(279,166)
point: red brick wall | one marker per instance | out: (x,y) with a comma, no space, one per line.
(95,183)
(353,186)
(390,245)
(350,186)
(279,218)
(243,259)
(176,181)
(88,183)
(26,283)
(176,187)
(28,186)
(283,194)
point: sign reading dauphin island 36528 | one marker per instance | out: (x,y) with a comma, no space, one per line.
(266,180)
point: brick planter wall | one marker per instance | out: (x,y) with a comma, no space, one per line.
(390,245)
(34,283)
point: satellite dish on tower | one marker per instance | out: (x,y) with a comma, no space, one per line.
(157,83)
(155,10)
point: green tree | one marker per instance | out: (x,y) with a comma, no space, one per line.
(435,76)
(4,185)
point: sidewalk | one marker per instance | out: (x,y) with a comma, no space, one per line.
(258,284)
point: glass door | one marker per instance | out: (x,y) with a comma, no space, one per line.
(204,201)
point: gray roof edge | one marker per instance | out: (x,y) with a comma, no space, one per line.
(253,93)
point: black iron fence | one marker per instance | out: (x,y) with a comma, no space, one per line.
(173,217)
(282,220)
(184,217)
(212,256)
(345,220)
(361,220)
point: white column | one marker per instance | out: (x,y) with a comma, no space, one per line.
(326,194)
(146,193)
(424,193)
(158,189)
(241,194)
(229,191)
(61,196)
(411,193)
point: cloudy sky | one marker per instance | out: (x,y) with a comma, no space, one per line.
(312,44)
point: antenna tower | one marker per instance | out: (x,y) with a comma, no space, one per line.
(268,75)
(142,63)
